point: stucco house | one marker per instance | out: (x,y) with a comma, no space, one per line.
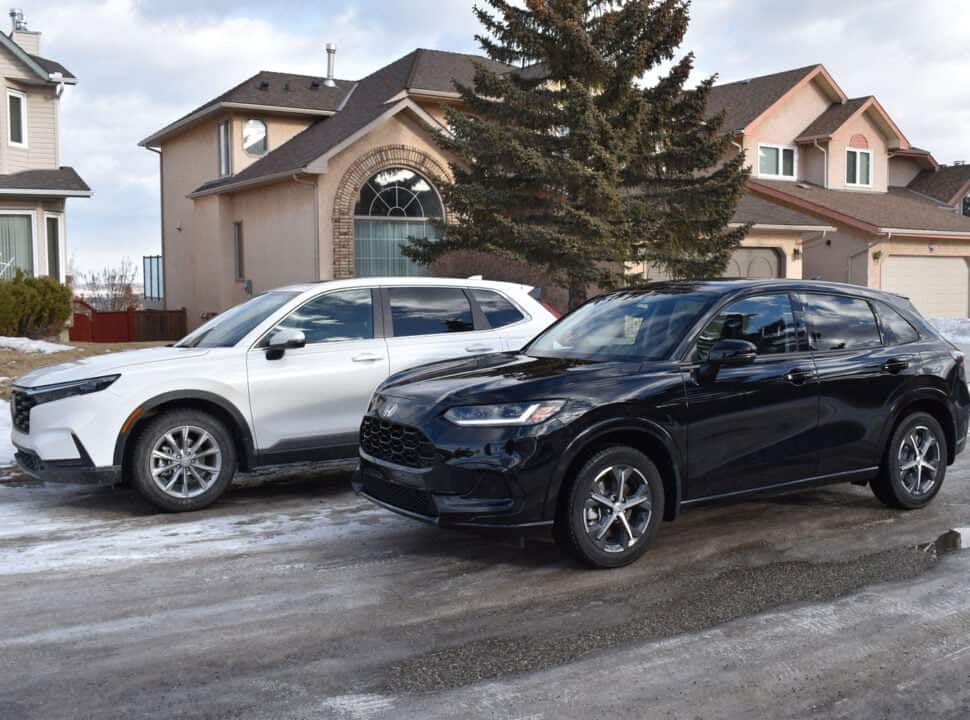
(838,192)
(33,184)
(288,178)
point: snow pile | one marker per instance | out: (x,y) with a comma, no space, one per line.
(6,448)
(957,331)
(21,344)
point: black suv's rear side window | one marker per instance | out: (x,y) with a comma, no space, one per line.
(498,311)
(429,310)
(840,322)
(896,329)
(765,320)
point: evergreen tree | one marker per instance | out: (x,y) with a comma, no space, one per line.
(570,164)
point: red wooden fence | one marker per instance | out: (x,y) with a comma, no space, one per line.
(91,325)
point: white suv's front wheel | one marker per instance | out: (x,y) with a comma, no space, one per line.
(183,460)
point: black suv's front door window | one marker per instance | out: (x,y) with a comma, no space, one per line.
(766,320)
(840,322)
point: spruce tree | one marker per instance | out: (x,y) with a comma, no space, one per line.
(571,164)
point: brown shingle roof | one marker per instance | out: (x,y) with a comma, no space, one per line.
(364,105)
(948,184)
(438,71)
(59,179)
(745,100)
(759,211)
(53,66)
(832,119)
(897,209)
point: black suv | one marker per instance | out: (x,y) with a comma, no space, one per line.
(642,402)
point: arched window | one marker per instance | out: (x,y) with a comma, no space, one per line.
(394,205)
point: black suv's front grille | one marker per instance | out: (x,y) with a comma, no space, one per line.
(399,496)
(20,405)
(399,444)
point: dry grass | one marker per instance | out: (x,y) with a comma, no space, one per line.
(14,364)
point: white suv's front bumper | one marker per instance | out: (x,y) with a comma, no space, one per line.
(71,439)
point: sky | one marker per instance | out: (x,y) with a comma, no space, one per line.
(141,65)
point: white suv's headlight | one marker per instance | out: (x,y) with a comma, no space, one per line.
(50,393)
(527,413)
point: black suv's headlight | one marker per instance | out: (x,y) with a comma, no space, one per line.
(506,414)
(50,393)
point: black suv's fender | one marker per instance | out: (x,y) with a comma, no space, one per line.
(655,440)
(928,398)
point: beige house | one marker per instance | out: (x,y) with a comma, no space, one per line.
(893,217)
(33,184)
(289,178)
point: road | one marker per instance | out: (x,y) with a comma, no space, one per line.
(294,599)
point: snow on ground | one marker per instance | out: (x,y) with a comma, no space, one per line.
(956,331)
(6,448)
(22,344)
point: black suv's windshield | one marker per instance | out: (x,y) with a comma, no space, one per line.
(634,325)
(228,328)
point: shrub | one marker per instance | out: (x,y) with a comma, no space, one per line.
(33,307)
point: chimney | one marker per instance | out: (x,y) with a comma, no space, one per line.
(331,54)
(26,39)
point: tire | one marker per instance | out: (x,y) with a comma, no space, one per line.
(590,529)
(914,466)
(208,473)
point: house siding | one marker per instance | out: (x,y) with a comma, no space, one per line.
(902,171)
(828,257)
(279,129)
(41,151)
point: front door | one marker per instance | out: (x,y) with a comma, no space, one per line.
(751,426)
(310,402)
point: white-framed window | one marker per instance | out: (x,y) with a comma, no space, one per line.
(858,167)
(16,118)
(225,148)
(56,250)
(18,251)
(254,137)
(777,161)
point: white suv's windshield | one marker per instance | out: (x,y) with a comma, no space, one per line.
(228,328)
(635,325)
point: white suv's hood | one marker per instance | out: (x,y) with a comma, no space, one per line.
(106,364)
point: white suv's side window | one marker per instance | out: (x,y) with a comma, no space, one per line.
(334,317)
(429,311)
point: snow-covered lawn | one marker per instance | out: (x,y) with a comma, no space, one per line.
(22,344)
(6,448)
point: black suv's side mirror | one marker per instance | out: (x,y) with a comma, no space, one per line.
(732,352)
(283,340)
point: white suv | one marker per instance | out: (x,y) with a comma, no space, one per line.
(283,377)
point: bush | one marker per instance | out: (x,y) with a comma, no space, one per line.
(33,307)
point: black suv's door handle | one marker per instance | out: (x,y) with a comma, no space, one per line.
(798,376)
(895,365)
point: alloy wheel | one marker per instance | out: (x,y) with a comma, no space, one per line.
(618,509)
(185,461)
(919,461)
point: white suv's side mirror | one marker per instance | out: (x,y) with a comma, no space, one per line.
(283,340)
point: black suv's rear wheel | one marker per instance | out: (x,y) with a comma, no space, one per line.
(915,463)
(183,460)
(614,507)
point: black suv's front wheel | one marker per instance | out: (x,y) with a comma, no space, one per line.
(614,507)
(915,463)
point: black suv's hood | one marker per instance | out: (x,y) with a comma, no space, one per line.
(507,377)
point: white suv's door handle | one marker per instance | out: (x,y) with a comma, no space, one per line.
(479,348)
(367,357)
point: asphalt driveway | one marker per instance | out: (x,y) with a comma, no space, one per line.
(294,599)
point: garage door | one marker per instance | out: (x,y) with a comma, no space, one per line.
(938,286)
(760,263)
